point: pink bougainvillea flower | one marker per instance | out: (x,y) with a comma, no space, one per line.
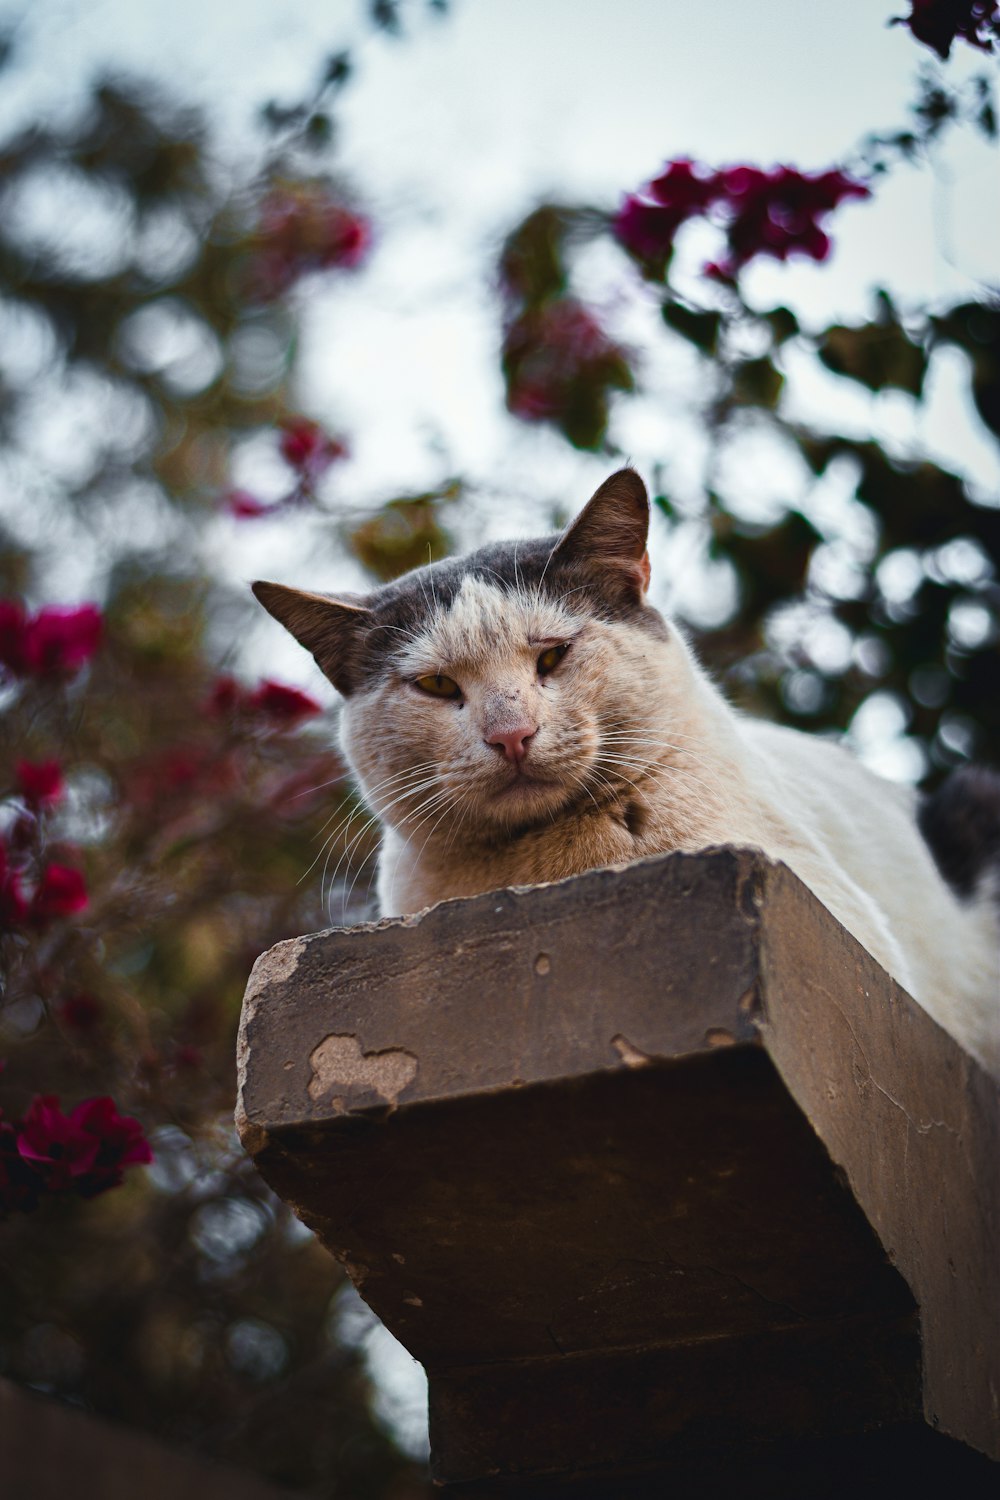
(60,892)
(56,642)
(246,507)
(13,906)
(61,640)
(560,365)
(308,449)
(647,231)
(54,1144)
(775,213)
(685,187)
(282,704)
(39,782)
(269,700)
(121,1143)
(84,1152)
(304,228)
(937,23)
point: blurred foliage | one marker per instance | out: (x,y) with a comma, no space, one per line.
(892,594)
(187,1301)
(406,533)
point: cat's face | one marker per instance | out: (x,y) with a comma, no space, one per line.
(487,693)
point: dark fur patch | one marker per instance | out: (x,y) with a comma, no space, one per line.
(402,608)
(960,823)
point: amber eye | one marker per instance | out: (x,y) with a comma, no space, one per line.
(550,659)
(438,686)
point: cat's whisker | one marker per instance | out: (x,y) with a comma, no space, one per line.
(344,825)
(371,818)
(411,771)
(423,807)
(667,768)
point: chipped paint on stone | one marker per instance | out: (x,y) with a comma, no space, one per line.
(340,1066)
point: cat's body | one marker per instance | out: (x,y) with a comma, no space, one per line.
(521,714)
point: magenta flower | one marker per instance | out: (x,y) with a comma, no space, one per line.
(60,892)
(685,187)
(284,705)
(647,230)
(303,228)
(774,213)
(40,782)
(246,507)
(121,1143)
(84,1152)
(56,642)
(560,366)
(269,700)
(308,449)
(55,1146)
(937,23)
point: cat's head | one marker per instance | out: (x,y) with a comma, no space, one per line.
(491,690)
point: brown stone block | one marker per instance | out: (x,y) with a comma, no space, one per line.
(643,1165)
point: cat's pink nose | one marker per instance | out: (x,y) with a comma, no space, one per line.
(513,743)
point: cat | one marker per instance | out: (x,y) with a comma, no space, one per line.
(522,714)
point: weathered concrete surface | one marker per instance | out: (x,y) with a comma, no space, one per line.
(586,1148)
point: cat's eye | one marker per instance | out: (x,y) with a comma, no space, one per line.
(550,659)
(438,686)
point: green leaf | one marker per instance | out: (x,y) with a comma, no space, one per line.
(975,327)
(877,355)
(700,326)
(757,382)
(782,322)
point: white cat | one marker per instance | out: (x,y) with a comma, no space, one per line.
(522,714)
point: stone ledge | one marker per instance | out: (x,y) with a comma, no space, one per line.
(634,1112)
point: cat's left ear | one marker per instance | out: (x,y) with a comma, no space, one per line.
(612,531)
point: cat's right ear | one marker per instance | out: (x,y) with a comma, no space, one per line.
(332,629)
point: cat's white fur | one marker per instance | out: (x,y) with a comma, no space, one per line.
(686,771)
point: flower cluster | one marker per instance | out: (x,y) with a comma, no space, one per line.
(560,366)
(274,702)
(50,1154)
(59,892)
(774,213)
(56,642)
(303,228)
(309,451)
(937,23)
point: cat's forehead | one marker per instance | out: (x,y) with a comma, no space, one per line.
(484,624)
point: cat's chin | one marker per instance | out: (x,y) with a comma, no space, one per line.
(522,799)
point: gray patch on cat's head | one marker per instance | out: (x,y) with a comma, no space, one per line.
(597,565)
(406,608)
